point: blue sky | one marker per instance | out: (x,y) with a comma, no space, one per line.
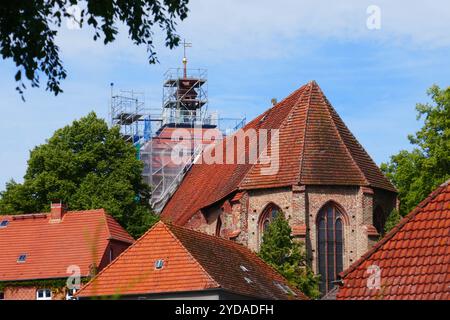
(254,50)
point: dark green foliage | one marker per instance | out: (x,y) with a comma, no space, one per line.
(28,30)
(288,257)
(86,165)
(416,173)
(392,220)
(55,284)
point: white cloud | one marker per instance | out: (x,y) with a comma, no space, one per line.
(265,29)
(241,29)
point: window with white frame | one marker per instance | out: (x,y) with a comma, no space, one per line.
(44,294)
(70,293)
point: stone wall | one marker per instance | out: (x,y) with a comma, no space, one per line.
(301,205)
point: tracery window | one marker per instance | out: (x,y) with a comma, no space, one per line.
(266,218)
(330,235)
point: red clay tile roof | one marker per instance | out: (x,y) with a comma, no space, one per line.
(414,258)
(193,261)
(315,148)
(81,239)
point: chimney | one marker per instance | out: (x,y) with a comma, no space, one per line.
(274,101)
(57,211)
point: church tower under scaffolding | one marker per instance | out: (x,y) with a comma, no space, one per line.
(169,139)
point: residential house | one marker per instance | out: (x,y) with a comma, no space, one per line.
(172,262)
(39,252)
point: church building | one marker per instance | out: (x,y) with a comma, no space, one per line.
(333,194)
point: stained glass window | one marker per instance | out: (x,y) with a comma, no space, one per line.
(330,235)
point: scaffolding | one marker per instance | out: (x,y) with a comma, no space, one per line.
(135,120)
(185,97)
(151,130)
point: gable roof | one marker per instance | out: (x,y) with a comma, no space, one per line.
(413,258)
(315,148)
(81,239)
(193,261)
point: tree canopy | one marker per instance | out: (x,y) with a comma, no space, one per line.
(416,173)
(88,166)
(288,257)
(28,30)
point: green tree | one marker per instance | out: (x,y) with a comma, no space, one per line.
(288,257)
(28,30)
(392,220)
(416,173)
(87,165)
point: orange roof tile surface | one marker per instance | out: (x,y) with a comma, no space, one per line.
(413,259)
(193,261)
(315,148)
(80,239)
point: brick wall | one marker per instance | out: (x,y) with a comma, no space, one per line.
(258,201)
(29,293)
(301,205)
(114,249)
(349,200)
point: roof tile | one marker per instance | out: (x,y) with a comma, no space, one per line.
(415,256)
(193,261)
(79,239)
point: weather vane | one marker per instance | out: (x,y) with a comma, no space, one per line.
(185,45)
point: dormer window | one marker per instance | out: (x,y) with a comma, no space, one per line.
(4,223)
(159,264)
(248,280)
(243,268)
(22,258)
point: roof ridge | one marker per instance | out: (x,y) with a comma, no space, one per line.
(328,107)
(110,220)
(107,224)
(117,258)
(189,253)
(394,230)
(302,153)
(302,92)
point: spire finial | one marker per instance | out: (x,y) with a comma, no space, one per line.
(185,45)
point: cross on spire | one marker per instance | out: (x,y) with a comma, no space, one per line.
(185,45)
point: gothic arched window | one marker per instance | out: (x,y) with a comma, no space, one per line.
(379,219)
(266,218)
(330,235)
